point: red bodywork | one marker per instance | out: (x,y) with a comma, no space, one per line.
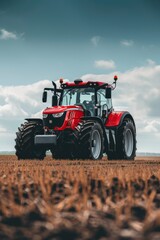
(73,115)
(72,84)
(84,84)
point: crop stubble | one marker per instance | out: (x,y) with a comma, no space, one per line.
(79,199)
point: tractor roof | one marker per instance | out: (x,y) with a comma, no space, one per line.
(79,83)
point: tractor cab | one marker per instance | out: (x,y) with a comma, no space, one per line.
(93,97)
(93,102)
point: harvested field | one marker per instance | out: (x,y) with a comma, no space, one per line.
(79,199)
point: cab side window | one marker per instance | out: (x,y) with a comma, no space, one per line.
(103,103)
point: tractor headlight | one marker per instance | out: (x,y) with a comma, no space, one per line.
(45,115)
(57,115)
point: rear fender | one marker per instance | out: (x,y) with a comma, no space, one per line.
(115,119)
(113,122)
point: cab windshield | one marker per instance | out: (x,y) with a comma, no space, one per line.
(77,96)
(86,98)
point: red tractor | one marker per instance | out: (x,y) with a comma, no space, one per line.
(81,124)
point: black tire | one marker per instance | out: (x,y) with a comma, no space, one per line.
(62,152)
(25,148)
(90,140)
(66,146)
(125,142)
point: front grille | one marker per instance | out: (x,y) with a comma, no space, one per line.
(52,122)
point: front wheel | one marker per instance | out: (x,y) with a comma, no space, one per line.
(96,142)
(25,147)
(90,140)
(125,142)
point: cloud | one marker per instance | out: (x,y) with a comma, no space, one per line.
(18,103)
(152,126)
(21,101)
(151,62)
(95,40)
(6,35)
(127,43)
(105,64)
(138,88)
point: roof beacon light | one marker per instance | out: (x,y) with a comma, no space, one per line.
(77,81)
(61,80)
(115,77)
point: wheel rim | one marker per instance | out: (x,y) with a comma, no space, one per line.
(96,144)
(128,138)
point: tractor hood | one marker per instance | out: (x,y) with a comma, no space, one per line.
(59,109)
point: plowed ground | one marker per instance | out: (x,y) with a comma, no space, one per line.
(79,199)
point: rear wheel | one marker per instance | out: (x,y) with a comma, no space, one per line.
(25,147)
(125,142)
(90,140)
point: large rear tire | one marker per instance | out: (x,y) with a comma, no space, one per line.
(125,142)
(25,147)
(90,140)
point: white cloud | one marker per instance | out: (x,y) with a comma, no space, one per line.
(6,35)
(152,126)
(151,62)
(18,103)
(127,43)
(95,40)
(138,88)
(105,64)
(21,101)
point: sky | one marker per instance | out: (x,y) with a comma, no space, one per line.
(44,40)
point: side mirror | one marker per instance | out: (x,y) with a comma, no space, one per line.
(44,96)
(108,93)
(54,100)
